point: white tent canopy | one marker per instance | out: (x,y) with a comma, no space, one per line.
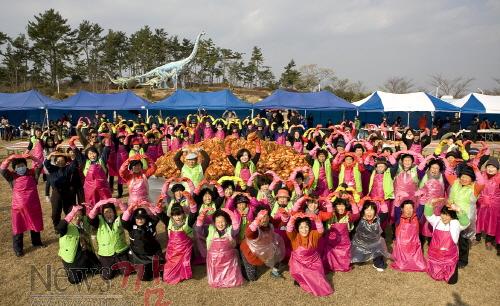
(475,103)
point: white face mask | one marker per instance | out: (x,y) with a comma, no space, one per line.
(21,170)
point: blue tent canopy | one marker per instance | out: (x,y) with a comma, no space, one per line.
(28,100)
(217,100)
(84,100)
(323,100)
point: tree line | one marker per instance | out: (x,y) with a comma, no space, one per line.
(52,53)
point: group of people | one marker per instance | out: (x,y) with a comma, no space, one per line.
(337,212)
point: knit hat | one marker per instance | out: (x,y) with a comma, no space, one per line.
(493,161)
(473,151)
(191,156)
(466,170)
(133,163)
(452,153)
(340,143)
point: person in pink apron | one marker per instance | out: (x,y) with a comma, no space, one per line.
(442,261)
(223,267)
(243,208)
(136,177)
(279,135)
(381,183)
(488,214)
(306,267)
(337,244)
(321,207)
(321,162)
(152,145)
(95,186)
(406,249)
(416,142)
(244,164)
(207,132)
(406,180)
(26,210)
(296,142)
(180,245)
(220,126)
(432,185)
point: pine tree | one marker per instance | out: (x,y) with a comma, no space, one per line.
(53,41)
(290,77)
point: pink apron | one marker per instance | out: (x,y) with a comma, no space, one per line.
(37,150)
(26,209)
(406,249)
(220,135)
(281,139)
(178,258)
(152,152)
(298,146)
(432,189)
(488,214)
(95,186)
(307,269)
(322,184)
(337,252)
(223,268)
(405,187)
(442,256)
(138,190)
(208,133)
(245,174)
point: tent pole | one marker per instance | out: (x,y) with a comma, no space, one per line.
(147,113)
(343,116)
(252,113)
(114,116)
(47,117)
(408,119)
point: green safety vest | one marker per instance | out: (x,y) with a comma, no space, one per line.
(68,244)
(357,177)
(111,241)
(388,184)
(195,174)
(88,163)
(463,196)
(328,173)
(141,152)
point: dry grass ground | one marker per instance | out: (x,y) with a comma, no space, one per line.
(478,284)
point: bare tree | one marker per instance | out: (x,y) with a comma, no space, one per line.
(457,87)
(399,85)
(495,91)
(311,75)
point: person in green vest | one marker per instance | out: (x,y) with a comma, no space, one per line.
(75,249)
(244,164)
(112,246)
(464,192)
(320,161)
(350,168)
(137,149)
(191,168)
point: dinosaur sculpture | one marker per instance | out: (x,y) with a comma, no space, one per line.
(169,70)
(120,81)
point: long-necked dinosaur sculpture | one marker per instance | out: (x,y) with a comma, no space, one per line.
(170,70)
(161,74)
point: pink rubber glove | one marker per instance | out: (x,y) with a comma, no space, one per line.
(72,213)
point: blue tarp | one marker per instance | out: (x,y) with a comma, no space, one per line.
(323,100)
(28,100)
(217,100)
(84,100)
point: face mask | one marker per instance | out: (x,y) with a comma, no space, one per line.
(21,170)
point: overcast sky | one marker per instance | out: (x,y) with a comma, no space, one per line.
(367,40)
